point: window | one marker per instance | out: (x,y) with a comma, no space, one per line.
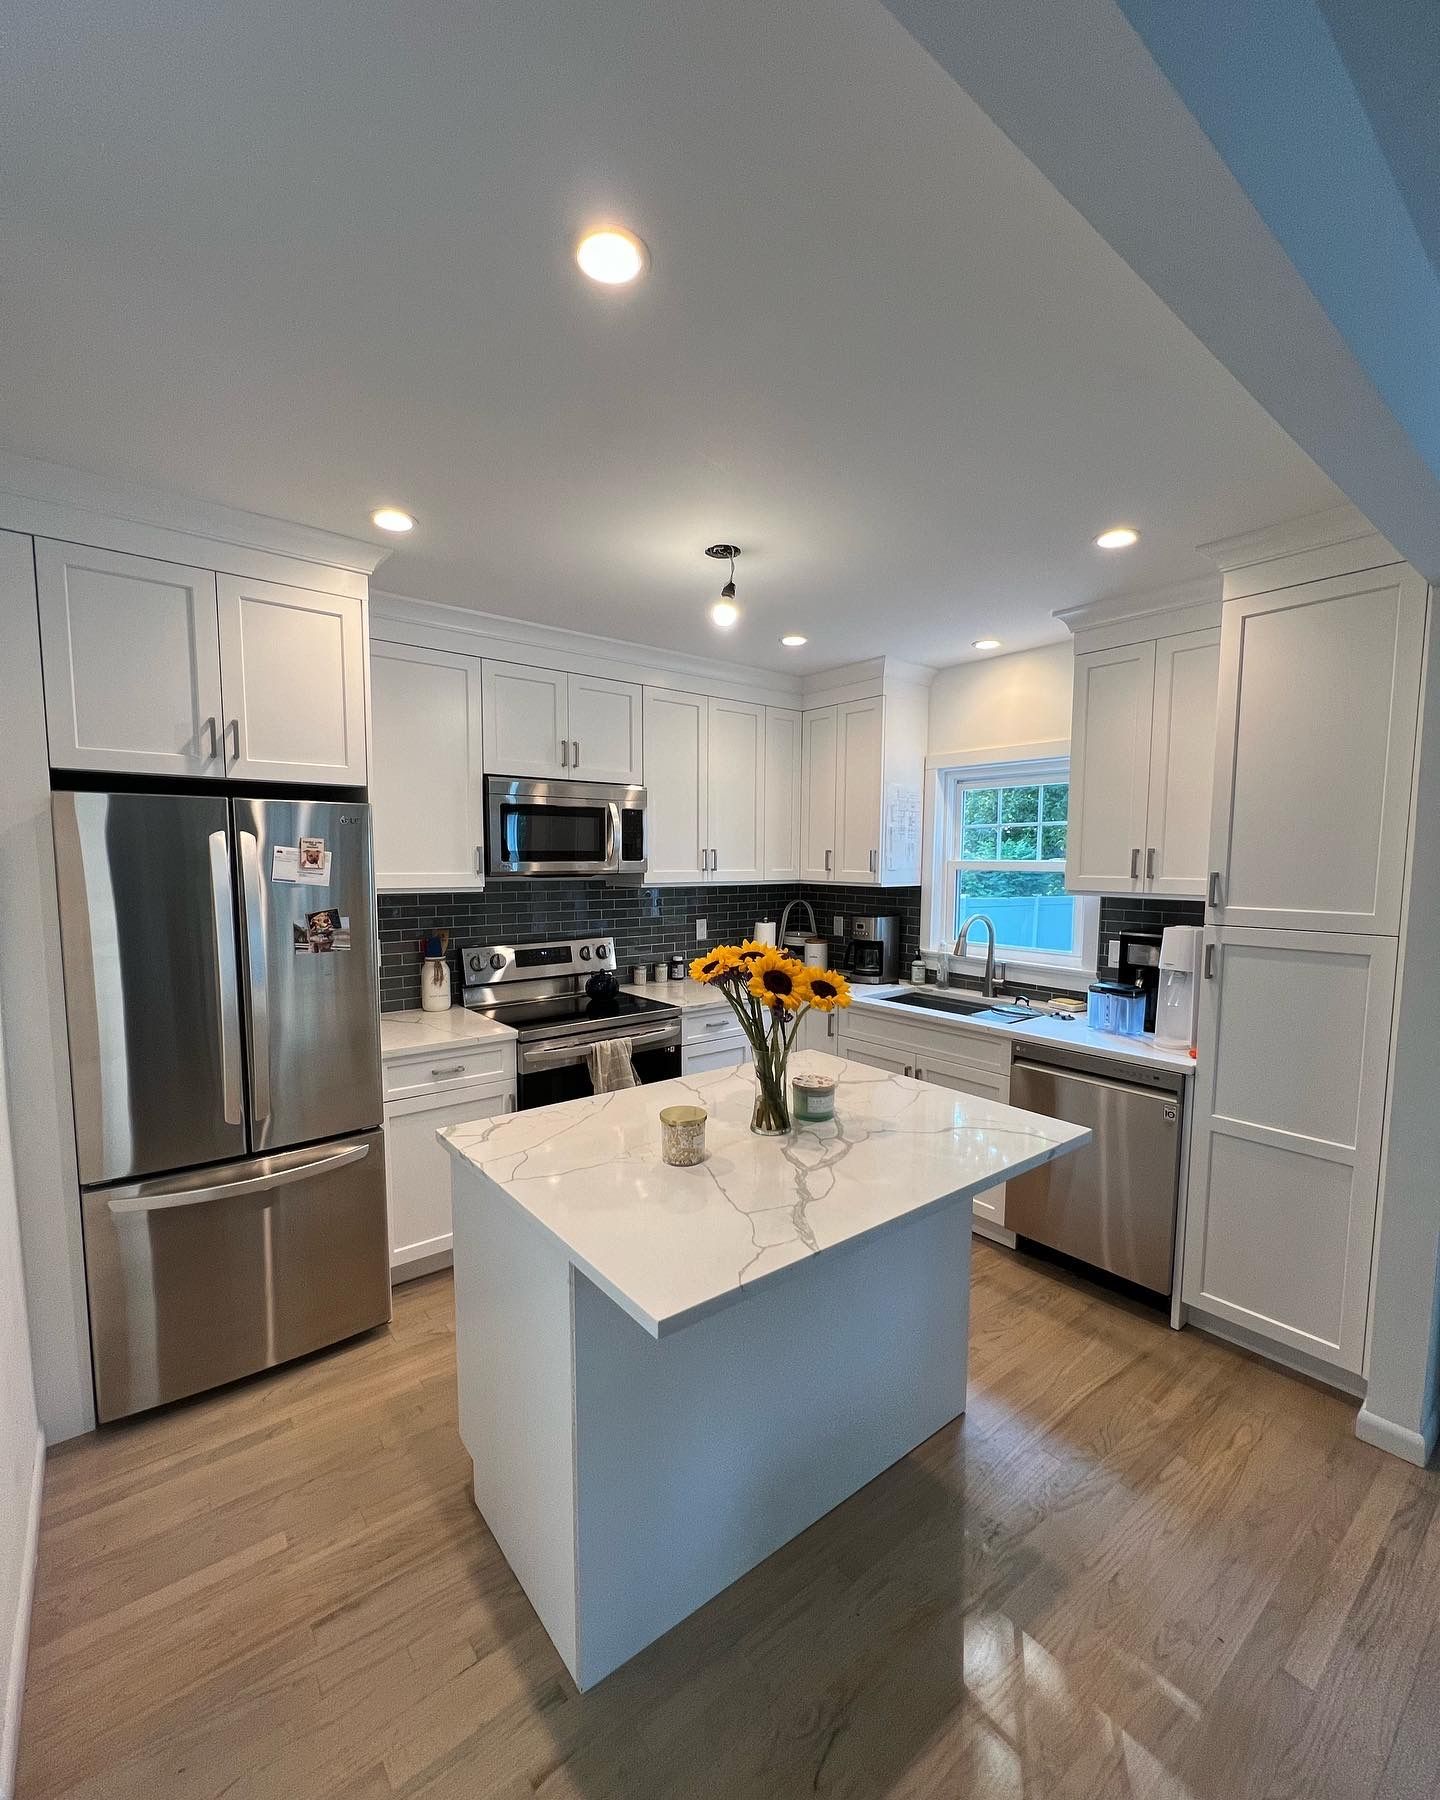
(1001,834)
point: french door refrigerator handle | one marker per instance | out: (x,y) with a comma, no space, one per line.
(257,967)
(156,1196)
(223,927)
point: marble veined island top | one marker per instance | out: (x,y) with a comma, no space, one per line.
(671,1245)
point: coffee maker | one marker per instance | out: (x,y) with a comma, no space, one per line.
(875,949)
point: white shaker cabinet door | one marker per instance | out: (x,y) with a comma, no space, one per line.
(860,727)
(1182,761)
(605,730)
(985,1084)
(677,844)
(527,720)
(131,658)
(736,805)
(293,673)
(1314,747)
(1110,769)
(1285,1158)
(875,1056)
(417,1170)
(820,741)
(782,794)
(427,786)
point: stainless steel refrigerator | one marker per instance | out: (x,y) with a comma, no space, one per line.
(223,1007)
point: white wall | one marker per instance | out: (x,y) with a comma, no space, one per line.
(21,1454)
(1003,701)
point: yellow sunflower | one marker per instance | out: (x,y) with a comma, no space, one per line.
(714,963)
(828,989)
(750,953)
(779,980)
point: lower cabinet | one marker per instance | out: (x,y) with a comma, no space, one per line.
(417,1169)
(987,1084)
(1285,1155)
(712,1040)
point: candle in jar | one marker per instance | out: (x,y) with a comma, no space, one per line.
(682,1135)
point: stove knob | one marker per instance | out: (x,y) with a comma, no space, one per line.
(584,953)
(602,951)
(497,961)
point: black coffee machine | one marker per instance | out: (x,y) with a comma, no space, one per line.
(1140,967)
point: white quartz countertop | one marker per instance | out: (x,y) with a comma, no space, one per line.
(688,995)
(402,1032)
(670,1245)
(1045,1028)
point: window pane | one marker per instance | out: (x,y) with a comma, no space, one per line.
(1019,805)
(979,842)
(1029,909)
(982,806)
(1019,843)
(1052,843)
(1057,803)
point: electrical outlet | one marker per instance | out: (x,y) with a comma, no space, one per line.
(702,930)
(839,925)
(1112,957)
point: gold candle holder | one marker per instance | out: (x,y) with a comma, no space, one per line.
(682,1135)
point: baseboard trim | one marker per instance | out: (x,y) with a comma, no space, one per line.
(1411,1446)
(15,1688)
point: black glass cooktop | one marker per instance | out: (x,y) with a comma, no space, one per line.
(531,1016)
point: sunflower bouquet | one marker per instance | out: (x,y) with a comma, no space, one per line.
(769,992)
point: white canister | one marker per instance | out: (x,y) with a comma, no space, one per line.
(435,984)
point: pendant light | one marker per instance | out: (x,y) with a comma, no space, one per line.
(724,613)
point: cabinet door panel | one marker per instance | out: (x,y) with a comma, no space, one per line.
(819,781)
(736,809)
(782,794)
(730,1055)
(1285,1160)
(676,734)
(426,780)
(527,720)
(1109,769)
(417,1170)
(605,730)
(293,673)
(1315,741)
(857,804)
(985,1084)
(875,1056)
(1182,762)
(131,655)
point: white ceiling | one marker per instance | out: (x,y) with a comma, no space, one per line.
(305,258)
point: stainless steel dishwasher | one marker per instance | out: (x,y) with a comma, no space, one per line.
(1113,1203)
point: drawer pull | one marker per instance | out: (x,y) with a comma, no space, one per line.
(444,1074)
(717,1024)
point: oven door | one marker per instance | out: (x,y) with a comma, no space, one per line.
(550,828)
(553,1069)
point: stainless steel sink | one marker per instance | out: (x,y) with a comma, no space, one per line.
(961,1005)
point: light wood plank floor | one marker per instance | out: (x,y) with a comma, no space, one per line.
(1143,1565)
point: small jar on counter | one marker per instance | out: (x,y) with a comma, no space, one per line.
(812,1099)
(677,968)
(682,1136)
(661,972)
(639,974)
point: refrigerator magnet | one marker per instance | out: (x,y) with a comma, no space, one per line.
(285,863)
(314,863)
(323,932)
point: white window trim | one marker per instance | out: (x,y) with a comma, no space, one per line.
(1076,970)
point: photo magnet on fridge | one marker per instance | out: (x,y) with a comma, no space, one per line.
(321,933)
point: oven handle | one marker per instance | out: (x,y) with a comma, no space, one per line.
(576,1052)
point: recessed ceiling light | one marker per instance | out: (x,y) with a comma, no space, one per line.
(392,518)
(612,257)
(1118,537)
(985,644)
(724,613)
(792,640)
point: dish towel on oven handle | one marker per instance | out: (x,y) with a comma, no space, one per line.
(608,1060)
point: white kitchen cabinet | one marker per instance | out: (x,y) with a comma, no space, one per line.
(820,1031)
(292,671)
(818,792)
(859,757)
(711,1038)
(676,739)
(1315,742)
(876,1056)
(783,729)
(735,809)
(1109,769)
(417,1170)
(986,1083)
(1293,1058)
(131,659)
(545,723)
(1182,761)
(427,785)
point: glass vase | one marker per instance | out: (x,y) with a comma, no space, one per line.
(771,1114)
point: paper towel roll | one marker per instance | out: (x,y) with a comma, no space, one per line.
(1178,947)
(764,931)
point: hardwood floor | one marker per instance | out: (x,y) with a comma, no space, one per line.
(1143,1565)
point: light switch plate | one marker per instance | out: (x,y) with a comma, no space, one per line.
(702,930)
(838,929)
(1112,953)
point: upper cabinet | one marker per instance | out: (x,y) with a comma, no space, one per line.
(706,802)
(131,653)
(427,790)
(1142,739)
(861,783)
(292,666)
(782,794)
(544,722)
(156,669)
(1315,744)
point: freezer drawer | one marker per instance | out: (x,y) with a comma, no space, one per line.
(1113,1202)
(200,1278)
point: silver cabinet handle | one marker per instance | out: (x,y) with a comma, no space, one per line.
(1135,864)
(564,753)
(714,861)
(830,1024)
(479,859)
(209,729)
(829,855)
(717,1024)
(1212,889)
(1149,865)
(162,1195)
(704,859)
(223,929)
(257,970)
(1209,962)
(574,753)
(908,1069)
(874,860)
(233,730)
(445,1074)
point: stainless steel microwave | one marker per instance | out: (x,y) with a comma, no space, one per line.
(563,828)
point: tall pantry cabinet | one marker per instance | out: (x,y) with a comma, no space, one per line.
(1321,657)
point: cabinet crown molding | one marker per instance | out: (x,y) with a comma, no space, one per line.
(1339,541)
(1150,605)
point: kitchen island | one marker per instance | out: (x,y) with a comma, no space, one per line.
(667,1373)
